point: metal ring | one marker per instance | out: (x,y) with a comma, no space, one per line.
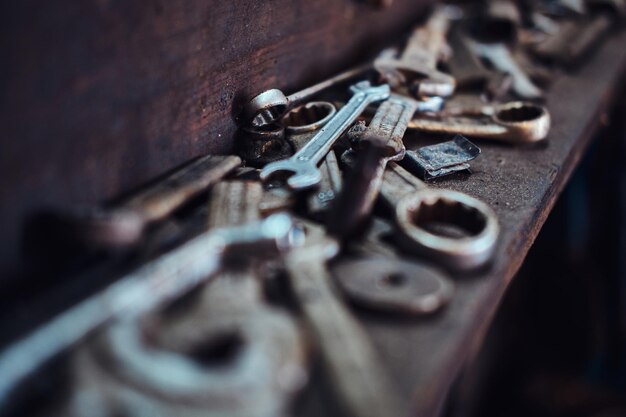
(308,117)
(265,108)
(532,120)
(392,285)
(428,207)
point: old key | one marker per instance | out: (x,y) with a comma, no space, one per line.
(303,165)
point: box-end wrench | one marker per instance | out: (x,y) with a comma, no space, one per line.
(420,57)
(269,106)
(454,229)
(303,165)
(514,122)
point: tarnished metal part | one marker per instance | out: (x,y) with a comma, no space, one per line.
(259,146)
(269,106)
(574,39)
(502,60)
(392,285)
(470,73)
(303,165)
(124,224)
(441,159)
(224,351)
(379,143)
(308,117)
(321,199)
(141,291)
(513,122)
(213,355)
(301,125)
(353,369)
(457,231)
(419,59)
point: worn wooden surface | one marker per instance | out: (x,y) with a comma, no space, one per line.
(522,185)
(147,86)
(96,97)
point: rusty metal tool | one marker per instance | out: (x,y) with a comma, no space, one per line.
(380,143)
(141,291)
(362,386)
(419,59)
(513,122)
(269,106)
(576,37)
(502,60)
(453,229)
(374,276)
(125,223)
(301,124)
(391,285)
(470,73)
(303,165)
(488,40)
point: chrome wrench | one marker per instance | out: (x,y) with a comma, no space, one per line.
(303,165)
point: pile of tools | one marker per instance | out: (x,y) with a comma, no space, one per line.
(323,205)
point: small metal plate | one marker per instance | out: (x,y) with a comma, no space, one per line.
(441,159)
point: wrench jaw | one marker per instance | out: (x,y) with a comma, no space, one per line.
(375,93)
(464,253)
(302,175)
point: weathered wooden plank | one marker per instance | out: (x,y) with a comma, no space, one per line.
(96,97)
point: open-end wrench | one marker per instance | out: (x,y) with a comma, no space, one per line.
(513,122)
(354,371)
(269,106)
(419,58)
(124,223)
(303,165)
(301,124)
(141,291)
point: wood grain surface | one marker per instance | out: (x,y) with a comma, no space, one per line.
(96,97)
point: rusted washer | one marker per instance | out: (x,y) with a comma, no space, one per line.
(395,286)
